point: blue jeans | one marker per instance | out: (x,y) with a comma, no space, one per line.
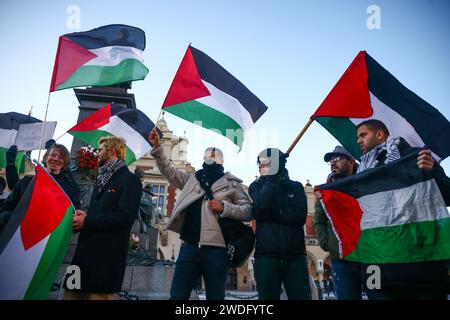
(347,278)
(193,262)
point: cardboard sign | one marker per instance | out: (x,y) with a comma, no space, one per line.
(29,135)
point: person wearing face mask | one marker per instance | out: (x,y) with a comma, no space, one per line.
(55,160)
(205,195)
(280,209)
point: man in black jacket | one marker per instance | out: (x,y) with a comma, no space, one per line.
(419,280)
(102,247)
(280,209)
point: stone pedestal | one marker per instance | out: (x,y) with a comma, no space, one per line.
(150,282)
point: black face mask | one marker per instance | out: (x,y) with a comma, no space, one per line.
(208,175)
(213,172)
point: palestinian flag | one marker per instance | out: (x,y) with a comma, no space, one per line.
(35,240)
(206,94)
(100,57)
(368,91)
(114,120)
(9,125)
(394,213)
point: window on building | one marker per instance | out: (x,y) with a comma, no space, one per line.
(159,198)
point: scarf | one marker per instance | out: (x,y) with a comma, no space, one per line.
(390,146)
(106,171)
(208,175)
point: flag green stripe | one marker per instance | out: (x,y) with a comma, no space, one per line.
(90,75)
(20,160)
(414,242)
(92,137)
(344,130)
(195,111)
(51,259)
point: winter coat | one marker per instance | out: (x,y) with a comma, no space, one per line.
(102,248)
(324,231)
(280,211)
(227,189)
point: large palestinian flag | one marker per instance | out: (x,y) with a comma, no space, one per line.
(100,57)
(368,91)
(9,125)
(394,213)
(206,94)
(114,120)
(35,240)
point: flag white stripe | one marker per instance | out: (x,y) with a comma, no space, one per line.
(113,55)
(417,203)
(133,139)
(17,267)
(228,105)
(397,125)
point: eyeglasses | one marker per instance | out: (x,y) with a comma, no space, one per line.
(335,159)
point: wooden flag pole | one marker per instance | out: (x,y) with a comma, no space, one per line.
(61,136)
(43,128)
(299,136)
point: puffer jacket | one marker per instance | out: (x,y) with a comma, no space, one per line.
(228,189)
(280,211)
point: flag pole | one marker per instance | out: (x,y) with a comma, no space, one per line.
(61,136)
(43,127)
(159,116)
(300,135)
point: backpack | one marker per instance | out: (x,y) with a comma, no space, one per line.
(239,239)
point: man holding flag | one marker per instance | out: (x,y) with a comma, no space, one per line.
(423,280)
(392,217)
(206,195)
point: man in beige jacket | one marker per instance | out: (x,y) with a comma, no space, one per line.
(205,195)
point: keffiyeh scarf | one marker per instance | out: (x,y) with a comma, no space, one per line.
(369,160)
(107,170)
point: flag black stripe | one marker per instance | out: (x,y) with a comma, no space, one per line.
(213,73)
(399,174)
(429,123)
(136,119)
(110,35)
(17,215)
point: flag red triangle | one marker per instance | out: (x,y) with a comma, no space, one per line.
(45,211)
(350,96)
(94,121)
(187,84)
(345,214)
(69,58)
